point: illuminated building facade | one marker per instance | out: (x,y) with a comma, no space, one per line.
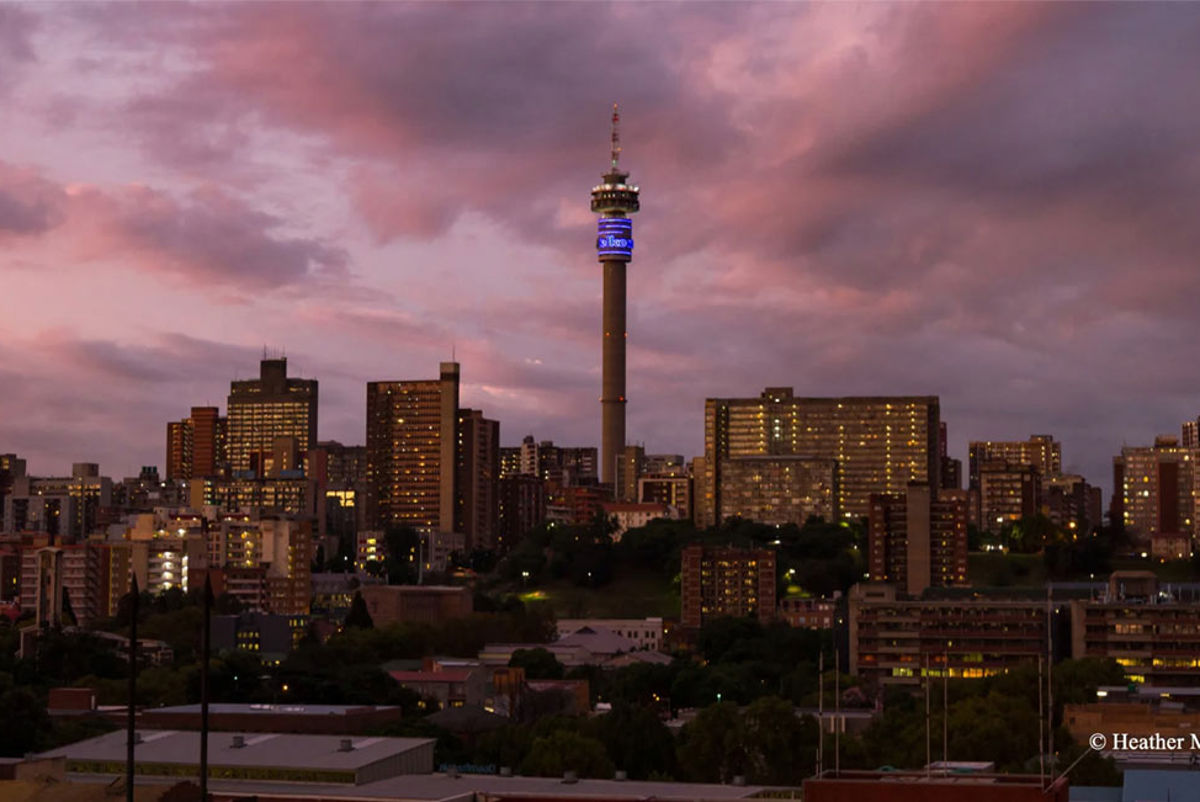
(918,539)
(66,507)
(614,200)
(1153,490)
(263,410)
(672,490)
(265,562)
(880,444)
(1152,633)
(1008,492)
(412,450)
(783,489)
(724,581)
(896,639)
(1041,451)
(196,445)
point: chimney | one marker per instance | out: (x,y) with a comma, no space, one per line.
(621,775)
(239,742)
(570,777)
(346,745)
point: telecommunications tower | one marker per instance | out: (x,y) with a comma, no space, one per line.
(614,201)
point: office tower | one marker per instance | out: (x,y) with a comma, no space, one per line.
(880,443)
(522,506)
(267,408)
(784,489)
(718,581)
(412,449)
(614,201)
(1041,451)
(1153,490)
(918,539)
(478,474)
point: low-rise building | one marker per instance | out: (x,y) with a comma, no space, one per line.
(647,633)
(278,718)
(422,604)
(326,759)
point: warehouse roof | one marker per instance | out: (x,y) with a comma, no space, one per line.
(310,752)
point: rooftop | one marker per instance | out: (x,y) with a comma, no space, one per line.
(275,710)
(447,787)
(173,747)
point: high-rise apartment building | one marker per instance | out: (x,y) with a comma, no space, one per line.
(674,491)
(65,507)
(412,450)
(780,489)
(522,507)
(196,445)
(1153,490)
(918,539)
(478,476)
(880,444)
(1041,451)
(724,581)
(1008,492)
(263,410)
(631,463)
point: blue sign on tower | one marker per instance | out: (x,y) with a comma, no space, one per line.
(615,237)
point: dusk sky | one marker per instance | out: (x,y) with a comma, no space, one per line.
(995,203)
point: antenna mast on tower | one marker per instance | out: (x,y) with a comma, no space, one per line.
(616,136)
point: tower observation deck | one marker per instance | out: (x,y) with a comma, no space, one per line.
(614,201)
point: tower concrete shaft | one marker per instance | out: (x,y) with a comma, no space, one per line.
(612,395)
(614,201)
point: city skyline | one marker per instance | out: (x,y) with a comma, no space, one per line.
(1003,226)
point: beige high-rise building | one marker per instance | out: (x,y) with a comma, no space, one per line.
(412,447)
(880,444)
(1153,489)
(786,489)
(262,410)
(1041,451)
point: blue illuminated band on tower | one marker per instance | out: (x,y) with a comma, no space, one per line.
(615,238)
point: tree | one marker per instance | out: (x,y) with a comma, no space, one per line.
(779,745)
(21,705)
(538,663)
(68,613)
(564,751)
(359,617)
(637,741)
(713,747)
